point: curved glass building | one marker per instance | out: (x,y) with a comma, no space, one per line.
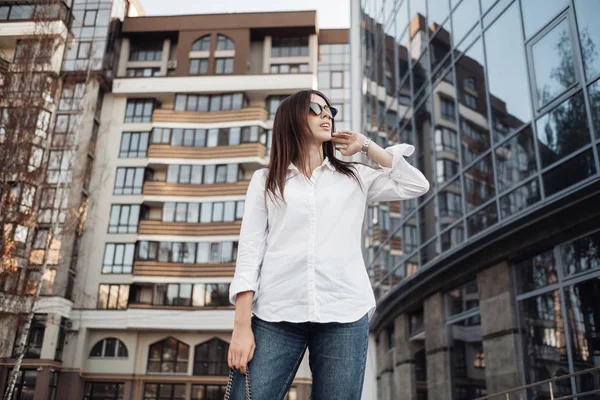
(491,280)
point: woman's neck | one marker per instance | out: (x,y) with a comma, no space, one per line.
(315,158)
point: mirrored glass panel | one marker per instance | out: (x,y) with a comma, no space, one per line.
(538,13)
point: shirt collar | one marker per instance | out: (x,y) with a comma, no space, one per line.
(326,162)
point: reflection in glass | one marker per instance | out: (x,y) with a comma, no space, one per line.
(429,252)
(424,151)
(569,173)
(536,272)
(453,237)
(507,74)
(563,130)
(537,13)
(581,255)
(545,347)
(479,183)
(482,220)
(594,93)
(450,203)
(439,50)
(515,160)
(438,11)
(519,199)
(463,298)
(428,221)
(469,69)
(584,325)
(467,359)
(464,18)
(553,63)
(587,12)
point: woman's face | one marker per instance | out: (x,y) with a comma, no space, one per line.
(320,124)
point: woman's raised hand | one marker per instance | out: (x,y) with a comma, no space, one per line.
(348,142)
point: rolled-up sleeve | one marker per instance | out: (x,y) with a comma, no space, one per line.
(400,182)
(253,239)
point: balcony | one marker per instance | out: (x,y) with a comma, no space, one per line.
(204,153)
(152,227)
(202,190)
(244,114)
(261,84)
(156,268)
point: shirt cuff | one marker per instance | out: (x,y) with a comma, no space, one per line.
(239,285)
(398,152)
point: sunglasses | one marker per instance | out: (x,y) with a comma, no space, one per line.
(318,109)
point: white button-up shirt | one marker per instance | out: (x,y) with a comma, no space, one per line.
(303,259)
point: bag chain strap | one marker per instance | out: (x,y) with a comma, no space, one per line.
(230,384)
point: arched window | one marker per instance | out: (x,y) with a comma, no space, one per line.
(168,356)
(224,43)
(109,348)
(210,358)
(202,44)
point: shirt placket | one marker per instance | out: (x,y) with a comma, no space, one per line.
(313,312)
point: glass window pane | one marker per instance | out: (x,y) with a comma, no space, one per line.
(589,34)
(202,253)
(464,18)
(193,212)
(515,160)
(507,73)
(206,212)
(536,272)
(581,255)
(594,92)
(537,13)
(553,63)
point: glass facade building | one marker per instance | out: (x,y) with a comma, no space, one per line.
(485,283)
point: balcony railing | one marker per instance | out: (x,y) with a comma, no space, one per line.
(157,268)
(181,189)
(150,227)
(244,114)
(242,150)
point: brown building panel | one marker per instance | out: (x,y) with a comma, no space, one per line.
(189,229)
(245,114)
(243,150)
(334,36)
(179,189)
(155,268)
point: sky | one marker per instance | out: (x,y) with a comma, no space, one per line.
(330,13)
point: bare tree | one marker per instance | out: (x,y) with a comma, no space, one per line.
(39,207)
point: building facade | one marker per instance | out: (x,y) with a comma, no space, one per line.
(489,281)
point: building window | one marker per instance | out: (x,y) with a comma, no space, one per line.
(113,297)
(168,356)
(217,102)
(289,47)
(142,72)
(109,348)
(59,167)
(447,109)
(446,140)
(209,295)
(205,392)
(71,96)
(210,358)
(25,384)
(202,44)
(89,18)
(139,110)
(470,101)
(164,391)
(53,204)
(146,51)
(337,79)
(223,66)
(118,258)
(35,337)
(228,211)
(124,218)
(38,248)
(450,205)
(134,144)
(207,174)
(289,68)
(208,138)
(224,43)
(470,83)
(446,169)
(129,180)
(198,66)
(33,51)
(340,114)
(103,391)
(272,105)
(53,385)
(65,128)
(188,252)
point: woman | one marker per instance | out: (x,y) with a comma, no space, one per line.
(300,280)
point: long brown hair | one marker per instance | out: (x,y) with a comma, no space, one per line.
(291,134)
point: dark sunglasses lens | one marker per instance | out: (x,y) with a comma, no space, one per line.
(316,108)
(333,111)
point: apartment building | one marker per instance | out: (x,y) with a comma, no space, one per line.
(187,122)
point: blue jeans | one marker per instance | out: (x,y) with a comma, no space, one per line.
(337,357)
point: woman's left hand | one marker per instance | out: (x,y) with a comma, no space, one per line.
(348,142)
